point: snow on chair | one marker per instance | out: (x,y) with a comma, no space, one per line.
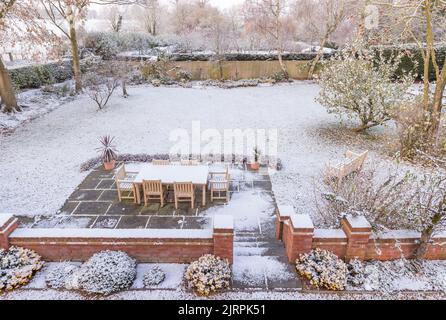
(184,192)
(184,162)
(124,184)
(353,163)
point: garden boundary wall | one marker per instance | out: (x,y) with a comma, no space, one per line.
(354,240)
(145,245)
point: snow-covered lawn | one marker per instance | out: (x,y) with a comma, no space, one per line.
(40,160)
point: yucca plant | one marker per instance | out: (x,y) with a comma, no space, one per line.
(108,151)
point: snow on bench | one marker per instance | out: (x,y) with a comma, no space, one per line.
(353,162)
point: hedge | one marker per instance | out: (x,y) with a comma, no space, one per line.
(37,76)
(414,55)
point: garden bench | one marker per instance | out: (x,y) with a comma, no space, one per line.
(353,162)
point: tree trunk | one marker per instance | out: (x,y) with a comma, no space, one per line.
(282,64)
(7,92)
(317,58)
(75,54)
(124,89)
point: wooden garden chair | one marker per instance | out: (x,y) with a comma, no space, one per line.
(220,189)
(184,192)
(160,162)
(153,189)
(124,184)
(189,162)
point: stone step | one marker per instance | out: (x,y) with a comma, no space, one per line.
(249,251)
(258,244)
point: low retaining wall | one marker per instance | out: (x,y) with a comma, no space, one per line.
(145,245)
(354,239)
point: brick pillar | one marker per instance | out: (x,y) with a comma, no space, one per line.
(299,236)
(283,214)
(7,225)
(358,231)
(224,237)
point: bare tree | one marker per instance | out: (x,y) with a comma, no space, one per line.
(115,19)
(70,13)
(424,23)
(21,26)
(269,17)
(323,22)
(151,16)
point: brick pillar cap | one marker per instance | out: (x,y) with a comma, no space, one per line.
(358,222)
(5,219)
(285,210)
(302,221)
(223,222)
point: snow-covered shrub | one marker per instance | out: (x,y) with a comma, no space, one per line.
(183,75)
(208,274)
(355,273)
(153,276)
(323,268)
(40,75)
(106,272)
(60,277)
(361,84)
(17,267)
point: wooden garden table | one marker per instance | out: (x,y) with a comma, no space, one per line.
(169,174)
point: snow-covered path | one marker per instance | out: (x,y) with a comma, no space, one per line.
(40,161)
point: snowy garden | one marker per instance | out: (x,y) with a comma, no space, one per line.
(360,133)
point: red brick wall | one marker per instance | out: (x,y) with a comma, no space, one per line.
(223,244)
(144,249)
(358,243)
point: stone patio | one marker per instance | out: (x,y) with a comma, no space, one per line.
(259,259)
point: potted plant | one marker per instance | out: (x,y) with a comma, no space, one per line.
(256,164)
(108,152)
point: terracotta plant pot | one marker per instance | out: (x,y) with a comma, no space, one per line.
(109,165)
(254,165)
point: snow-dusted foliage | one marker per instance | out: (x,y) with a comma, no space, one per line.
(153,276)
(389,277)
(61,276)
(355,273)
(17,267)
(323,268)
(360,83)
(106,272)
(208,274)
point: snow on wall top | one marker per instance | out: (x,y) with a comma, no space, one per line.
(286,210)
(398,234)
(4,217)
(114,233)
(223,222)
(330,233)
(358,221)
(302,221)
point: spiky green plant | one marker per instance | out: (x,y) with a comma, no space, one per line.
(108,149)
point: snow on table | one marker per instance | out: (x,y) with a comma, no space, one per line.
(173,173)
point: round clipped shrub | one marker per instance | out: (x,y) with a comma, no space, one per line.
(153,276)
(323,268)
(61,275)
(17,267)
(106,272)
(208,274)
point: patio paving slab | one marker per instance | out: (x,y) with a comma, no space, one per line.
(158,222)
(132,222)
(106,184)
(92,208)
(124,208)
(85,195)
(106,222)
